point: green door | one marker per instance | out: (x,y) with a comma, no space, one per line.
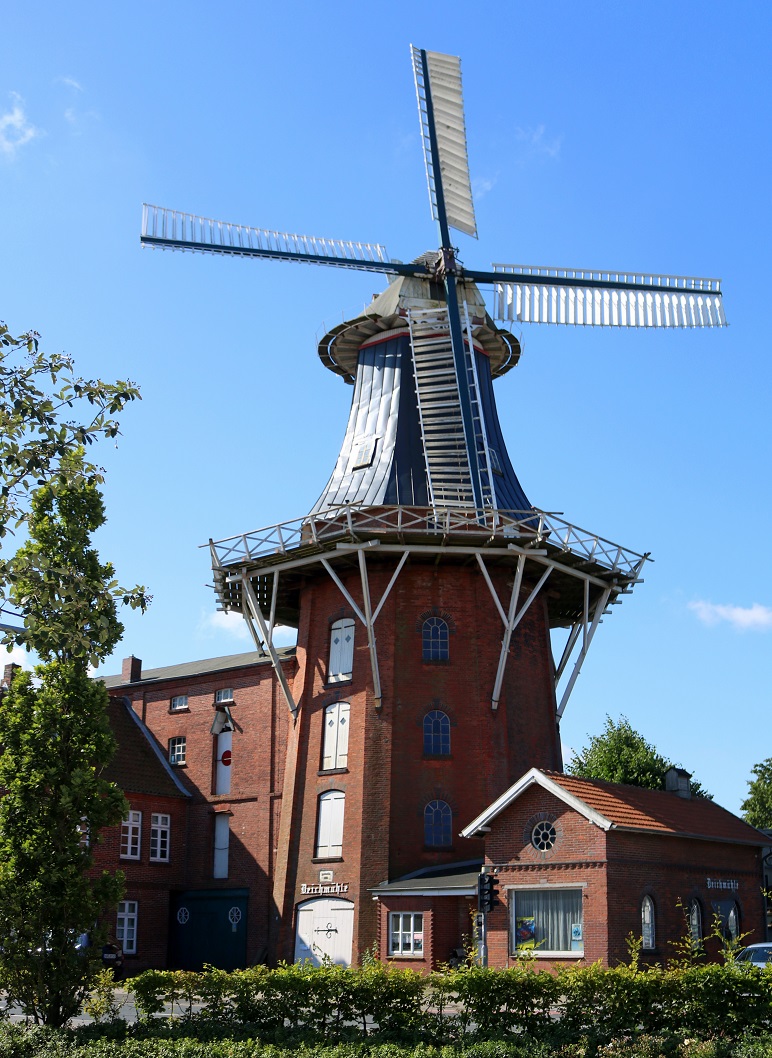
(208,926)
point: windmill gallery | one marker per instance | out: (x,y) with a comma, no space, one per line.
(312,802)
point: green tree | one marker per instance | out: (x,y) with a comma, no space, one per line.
(56,742)
(47,413)
(757,806)
(621,754)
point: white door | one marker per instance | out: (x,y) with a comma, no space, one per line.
(325,931)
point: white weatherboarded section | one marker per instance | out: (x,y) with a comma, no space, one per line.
(223,769)
(448,110)
(532,298)
(325,929)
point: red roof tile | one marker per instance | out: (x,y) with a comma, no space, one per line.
(631,807)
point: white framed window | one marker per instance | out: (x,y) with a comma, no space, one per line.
(160,831)
(341,666)
(729,918)
(222,838)
(224,695)
(648,933)
(178,747)
(131,836)
(329,828)
(546,920)
(438,824)
(84,834)
(406,933)
(126,926)
(335,745)
(179,703)
(695,922)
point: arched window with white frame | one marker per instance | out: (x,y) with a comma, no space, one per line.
(648,934)
(341,664)
(329,827)
(335,741)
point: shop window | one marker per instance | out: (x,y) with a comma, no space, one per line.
(648,933)
(435,639)
(437,734)
(329,829)
(160,830)
(126,926)
(695,923)
(179,703)
(341,665)
(131,834)
(406,933)
(547,920)
(178,750)
(336,725)
(438,824)
(222,838)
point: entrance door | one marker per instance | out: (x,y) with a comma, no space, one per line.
(208,926)
(325,929)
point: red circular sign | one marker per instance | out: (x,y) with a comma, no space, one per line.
(226,759)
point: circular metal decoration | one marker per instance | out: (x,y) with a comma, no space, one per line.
(544,836)
(183,915)
(234,916)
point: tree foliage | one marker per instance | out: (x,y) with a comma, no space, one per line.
(47,413)
(757,806)
(621,754)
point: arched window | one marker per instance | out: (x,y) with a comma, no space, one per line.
(647,923)
(435,639)
(695,923)
(437,734)
(341,663)
(729,917)
(329,827)
(335,746)
(438,824)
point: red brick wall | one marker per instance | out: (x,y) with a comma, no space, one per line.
(388,780)
(149,883)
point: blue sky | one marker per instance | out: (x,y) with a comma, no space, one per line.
(602,135)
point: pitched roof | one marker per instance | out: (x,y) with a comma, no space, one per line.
(450,879)
(139,765)
(198,668)
(613,806)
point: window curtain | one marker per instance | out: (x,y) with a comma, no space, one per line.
(543,919)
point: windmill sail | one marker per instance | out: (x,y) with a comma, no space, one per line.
(171,229)
(441,110)
(527,294)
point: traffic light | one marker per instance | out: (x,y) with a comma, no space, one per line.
(487,892)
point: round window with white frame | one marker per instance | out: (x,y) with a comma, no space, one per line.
(544,835)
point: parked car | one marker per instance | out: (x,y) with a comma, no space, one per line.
(756,955)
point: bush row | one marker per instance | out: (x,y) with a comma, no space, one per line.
(577,1003)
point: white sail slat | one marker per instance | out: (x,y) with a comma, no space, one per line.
(526,295)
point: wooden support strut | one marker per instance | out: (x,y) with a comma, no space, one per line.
(257,615)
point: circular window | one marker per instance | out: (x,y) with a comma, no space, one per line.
(544,836)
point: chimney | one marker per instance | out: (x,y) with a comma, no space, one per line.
(677,781)
(8,674)
(131,670)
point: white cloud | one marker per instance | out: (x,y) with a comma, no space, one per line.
(755,617)
(537,144)
(71,83)
(481,185)
(15,130)
(234,625)
(16,656)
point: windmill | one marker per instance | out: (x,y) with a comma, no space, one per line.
(425,455)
